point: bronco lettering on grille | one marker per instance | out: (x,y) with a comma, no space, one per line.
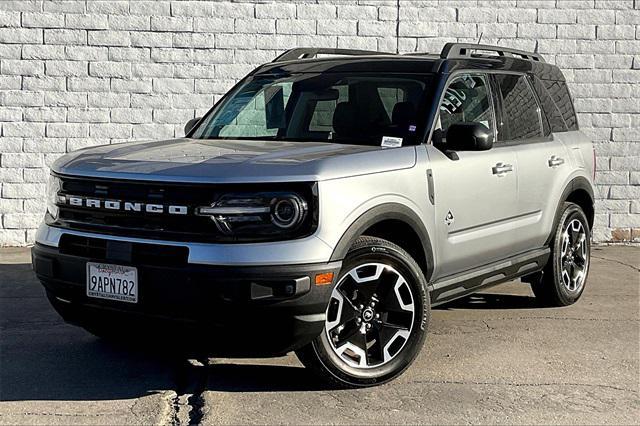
(127,206)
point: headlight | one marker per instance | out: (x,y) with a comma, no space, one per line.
(261,213)
(53,186)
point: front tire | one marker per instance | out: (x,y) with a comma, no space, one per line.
(377,317)
(562,281)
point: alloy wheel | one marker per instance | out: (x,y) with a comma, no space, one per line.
(370,315)
(574,258)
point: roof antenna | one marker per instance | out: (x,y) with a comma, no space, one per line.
(480,38)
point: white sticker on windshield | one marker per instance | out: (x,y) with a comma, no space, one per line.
(391,142)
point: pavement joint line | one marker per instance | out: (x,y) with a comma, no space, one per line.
(616,261)
(30,413)
(473,320)
(456,382)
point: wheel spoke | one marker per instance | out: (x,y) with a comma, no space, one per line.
(347,333)
(565,244)
(393,326)
(577,272)
(360,340)
(348,305)
(578,244)
(383,335)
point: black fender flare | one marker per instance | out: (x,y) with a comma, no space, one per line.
(378,214)
(579,182)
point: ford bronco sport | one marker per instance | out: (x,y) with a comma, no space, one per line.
(325,204)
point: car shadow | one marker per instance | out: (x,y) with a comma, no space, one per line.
(43,358)
(230,377)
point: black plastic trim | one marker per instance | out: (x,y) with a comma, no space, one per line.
(578,183)
(464,283)
(247,310)
(378,214)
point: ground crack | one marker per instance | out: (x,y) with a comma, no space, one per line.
(188,403)
(617,261)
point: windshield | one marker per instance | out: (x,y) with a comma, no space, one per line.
(361,109)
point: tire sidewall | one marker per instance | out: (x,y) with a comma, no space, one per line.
(571,212)
(395,257)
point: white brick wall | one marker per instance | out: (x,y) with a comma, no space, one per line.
(80,73)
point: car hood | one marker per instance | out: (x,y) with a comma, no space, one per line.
(238,161)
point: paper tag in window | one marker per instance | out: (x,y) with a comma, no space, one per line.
(391,142)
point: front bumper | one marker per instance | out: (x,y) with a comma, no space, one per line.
(228,310)
(292,252)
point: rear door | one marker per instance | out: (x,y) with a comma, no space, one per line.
(542,159)
(475,195)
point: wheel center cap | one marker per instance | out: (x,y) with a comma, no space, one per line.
(367,314)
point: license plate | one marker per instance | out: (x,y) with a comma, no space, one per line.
(113,282)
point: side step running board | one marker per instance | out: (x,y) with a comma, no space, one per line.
(459,285)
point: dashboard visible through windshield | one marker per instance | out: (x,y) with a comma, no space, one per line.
(361,109)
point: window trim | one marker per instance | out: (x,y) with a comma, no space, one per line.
(541,112)
(454,75)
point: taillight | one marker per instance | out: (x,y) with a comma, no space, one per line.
(594,163)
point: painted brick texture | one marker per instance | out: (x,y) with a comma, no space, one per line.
(80,73)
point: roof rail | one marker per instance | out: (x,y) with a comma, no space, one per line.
(308,52)
(464,50)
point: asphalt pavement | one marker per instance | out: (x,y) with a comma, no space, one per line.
(494,357)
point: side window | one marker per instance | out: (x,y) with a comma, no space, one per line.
(556,122)
(466,100)
(560,94)
(520,113)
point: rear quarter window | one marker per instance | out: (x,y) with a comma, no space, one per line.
(549,108)
(559,92)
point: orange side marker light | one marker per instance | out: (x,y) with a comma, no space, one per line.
(324,278)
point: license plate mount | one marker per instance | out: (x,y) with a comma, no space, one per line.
(112,282)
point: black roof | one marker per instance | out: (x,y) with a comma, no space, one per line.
(454,56)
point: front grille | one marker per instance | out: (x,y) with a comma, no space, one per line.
(136,253)
(187,227)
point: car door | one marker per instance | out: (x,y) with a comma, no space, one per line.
(475,192)
(541,157)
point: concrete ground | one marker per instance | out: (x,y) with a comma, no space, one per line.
(490,358)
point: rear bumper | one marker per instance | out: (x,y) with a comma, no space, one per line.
(229,310)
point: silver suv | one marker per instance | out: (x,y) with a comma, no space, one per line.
(325,204)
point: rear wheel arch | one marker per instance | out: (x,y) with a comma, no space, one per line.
(584,199)
(395,223)
(578,191)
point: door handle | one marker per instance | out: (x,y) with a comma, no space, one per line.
(500,169)
(555,161)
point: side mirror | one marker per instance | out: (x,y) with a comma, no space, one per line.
(469,137)
(191,124)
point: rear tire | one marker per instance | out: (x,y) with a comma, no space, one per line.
(562,281)
(377,318)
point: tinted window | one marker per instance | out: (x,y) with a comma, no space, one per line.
(560,95)
(466,100)
(359,108)
(520,117)
(556,122)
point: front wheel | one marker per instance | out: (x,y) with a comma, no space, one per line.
(562,281)
(376,320)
